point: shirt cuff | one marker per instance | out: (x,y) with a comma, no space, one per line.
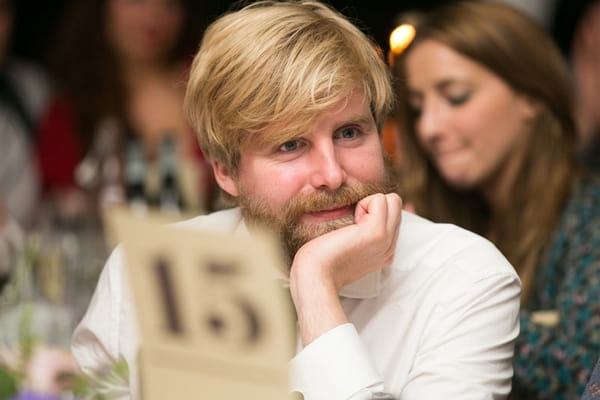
(333,367)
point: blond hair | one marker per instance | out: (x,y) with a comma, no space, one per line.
(277,66)
(520,52)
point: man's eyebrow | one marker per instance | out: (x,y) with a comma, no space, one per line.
(365,119)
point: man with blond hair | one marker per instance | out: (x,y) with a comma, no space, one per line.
(288,99)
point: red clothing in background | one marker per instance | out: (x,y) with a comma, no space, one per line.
(58,147)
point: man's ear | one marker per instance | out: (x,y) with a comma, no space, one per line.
(226,179)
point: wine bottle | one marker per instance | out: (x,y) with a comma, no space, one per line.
(135,176)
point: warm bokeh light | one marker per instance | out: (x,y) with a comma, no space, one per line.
(401,37)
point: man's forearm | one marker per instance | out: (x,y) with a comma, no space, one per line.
(317,305)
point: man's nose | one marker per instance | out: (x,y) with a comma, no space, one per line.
(326,169)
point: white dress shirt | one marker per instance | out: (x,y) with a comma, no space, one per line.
(439,323)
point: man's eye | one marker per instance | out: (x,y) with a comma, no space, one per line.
(348,133)
(290,145)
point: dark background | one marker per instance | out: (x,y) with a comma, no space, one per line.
(38,20)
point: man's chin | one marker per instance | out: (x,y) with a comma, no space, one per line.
(317,229)
(296,236)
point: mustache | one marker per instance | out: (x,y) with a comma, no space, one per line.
(347,195)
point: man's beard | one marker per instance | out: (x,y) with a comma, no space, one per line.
(285,221)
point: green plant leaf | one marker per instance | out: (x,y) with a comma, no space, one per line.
(8,384)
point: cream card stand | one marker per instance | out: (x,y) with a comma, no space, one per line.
(214,322)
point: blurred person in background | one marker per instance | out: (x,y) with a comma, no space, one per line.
(490,143)
(406,24)
(121,68)
(24,93)
(585,63)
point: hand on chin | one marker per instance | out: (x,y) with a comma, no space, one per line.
(345,255)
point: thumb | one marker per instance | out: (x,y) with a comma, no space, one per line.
(359,212)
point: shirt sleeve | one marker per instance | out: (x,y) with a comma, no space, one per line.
(335,366)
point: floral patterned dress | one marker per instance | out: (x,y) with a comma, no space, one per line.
(592,390)
(556,362)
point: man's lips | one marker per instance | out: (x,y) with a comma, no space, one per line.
(328,215)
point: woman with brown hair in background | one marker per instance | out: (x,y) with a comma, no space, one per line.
(121,68)
(489,146)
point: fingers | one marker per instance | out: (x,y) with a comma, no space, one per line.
(380,214)
(373,205)
(394,211)
(347,254)
(393,222)
(384,207)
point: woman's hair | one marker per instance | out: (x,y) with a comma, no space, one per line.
(87,68)
(517,50)
(275,66)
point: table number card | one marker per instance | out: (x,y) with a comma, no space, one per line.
(213,320)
